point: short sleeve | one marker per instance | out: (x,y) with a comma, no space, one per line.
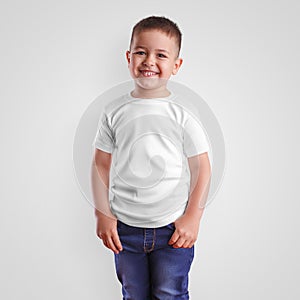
(195,140)
(104,139)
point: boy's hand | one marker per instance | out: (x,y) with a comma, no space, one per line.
(186,232)
(107,232)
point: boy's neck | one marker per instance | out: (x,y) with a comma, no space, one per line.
(144,93)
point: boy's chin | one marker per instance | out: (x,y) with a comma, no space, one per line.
(151,83)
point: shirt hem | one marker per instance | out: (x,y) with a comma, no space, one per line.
(152,224)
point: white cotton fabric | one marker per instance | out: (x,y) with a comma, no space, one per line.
(150,141)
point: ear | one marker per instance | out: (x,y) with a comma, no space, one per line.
(128,56)
(177,65)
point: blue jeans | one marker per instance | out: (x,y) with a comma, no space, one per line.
(150,269)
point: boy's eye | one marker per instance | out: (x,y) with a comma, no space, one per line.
(140,52)
(161,55)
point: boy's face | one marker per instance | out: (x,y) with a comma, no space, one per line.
(152,60)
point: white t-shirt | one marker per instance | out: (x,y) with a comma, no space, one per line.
(150,141)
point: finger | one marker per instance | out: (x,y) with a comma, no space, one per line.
(117,242)
(106,240)
(191,245)
(111,245)
(174,238)
(105,243)
(99,235)
(187,244)
(179,243)
(192,242)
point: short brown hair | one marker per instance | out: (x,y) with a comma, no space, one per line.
(159,23)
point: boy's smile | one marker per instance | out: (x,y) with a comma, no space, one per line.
(151,61)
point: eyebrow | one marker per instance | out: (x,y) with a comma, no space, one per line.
(159,50)
(162,50)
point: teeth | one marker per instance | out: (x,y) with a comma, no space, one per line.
(148,74)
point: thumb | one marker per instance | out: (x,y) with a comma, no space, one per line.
(174,238)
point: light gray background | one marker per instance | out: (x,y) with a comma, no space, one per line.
(56,57)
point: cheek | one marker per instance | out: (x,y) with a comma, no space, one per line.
(131,65)
(168,69)
(134,63)
(167,66)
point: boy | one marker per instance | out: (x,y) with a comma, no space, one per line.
(152,222)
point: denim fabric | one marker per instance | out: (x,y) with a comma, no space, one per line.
(148,268)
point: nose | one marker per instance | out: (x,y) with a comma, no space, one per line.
(149,60)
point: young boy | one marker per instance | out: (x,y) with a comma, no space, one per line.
(162,171)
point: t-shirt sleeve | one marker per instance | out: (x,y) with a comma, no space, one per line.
(195,140)
(104,139)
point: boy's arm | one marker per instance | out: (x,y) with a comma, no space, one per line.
(187,226)
(106,221)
